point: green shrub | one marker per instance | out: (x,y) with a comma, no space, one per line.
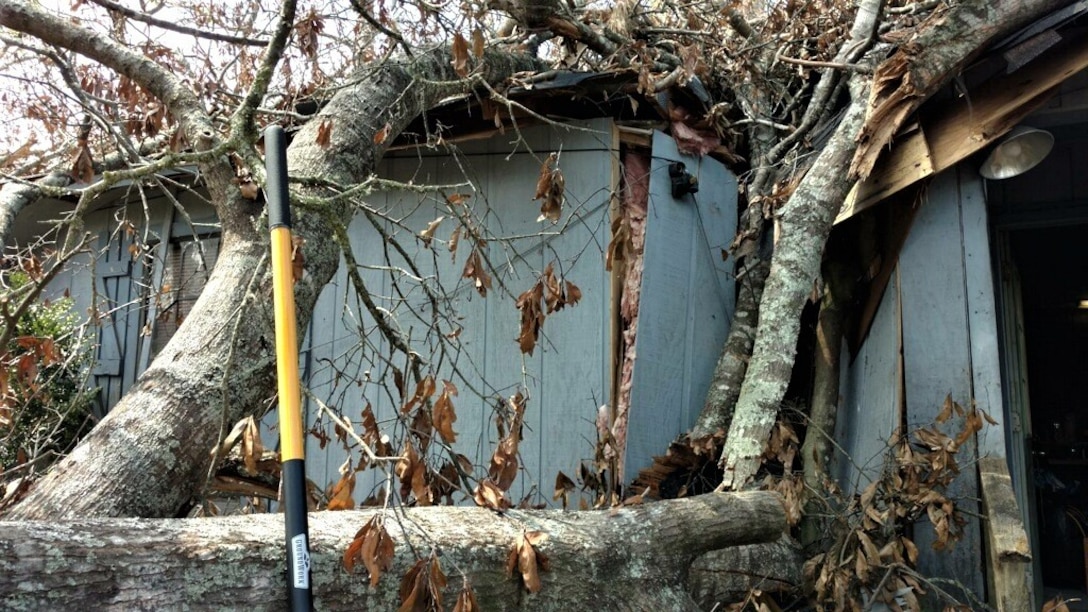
(44,403)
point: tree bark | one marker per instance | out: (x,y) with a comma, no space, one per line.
(805,222)
(150,456)
(839,285)
(633,558)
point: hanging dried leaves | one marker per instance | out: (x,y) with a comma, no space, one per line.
(444,413)
(549,189)
(488,495)
(424,391)
(252,449)
(298,262)
(373,547)
(307,31)
(532,317)
(527,561)
(877,561)
(474,269)
(478,43)
(82,165)
(341,494)
(427,234)
(455,240)
(549,292)
(412,472)
(459,49)
(421,588)
(466,599)
(504,461)
(564,486)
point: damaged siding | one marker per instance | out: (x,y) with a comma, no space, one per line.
(686,304)
(934,335)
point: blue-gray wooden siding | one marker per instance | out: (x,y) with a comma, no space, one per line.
(686,302)
(943,303)
(567,376)
(110,281)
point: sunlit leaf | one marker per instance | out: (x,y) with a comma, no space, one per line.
(459,48)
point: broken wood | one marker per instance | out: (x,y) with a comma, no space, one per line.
(970,124)
(1008,569)
(618,559)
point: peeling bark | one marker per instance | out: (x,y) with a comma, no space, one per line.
(949,38)
(622,559)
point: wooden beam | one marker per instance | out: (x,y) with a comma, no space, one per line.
(967,125)
(1008,567)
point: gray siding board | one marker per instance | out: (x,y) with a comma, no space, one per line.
(937,359)
(982,313)
(686,302)
(557,375)
(870,406)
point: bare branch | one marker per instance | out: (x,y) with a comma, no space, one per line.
(177,27)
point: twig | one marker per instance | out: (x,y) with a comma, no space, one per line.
(177,27)
(371,455)
(819,64)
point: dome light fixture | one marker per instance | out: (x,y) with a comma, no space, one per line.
(1019,151)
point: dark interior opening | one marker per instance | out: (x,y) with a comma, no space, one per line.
(1053,268)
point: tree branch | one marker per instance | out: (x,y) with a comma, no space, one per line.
(177,27)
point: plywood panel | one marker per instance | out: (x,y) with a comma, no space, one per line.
(982,312)
(686,301)
(574,349)
(569,362)
(937,358)
(870,408)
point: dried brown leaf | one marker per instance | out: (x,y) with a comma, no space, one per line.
(474,269)
(460,55)
(532,317)
(563,488)
(427,234)
(341,495)
(444,413)
(374,547)
(455,239)
(489,495)
(550,187)
(466,599)
(83,166)
(298,262)
(383,134)
(478,43)
(324,134)
(252,449)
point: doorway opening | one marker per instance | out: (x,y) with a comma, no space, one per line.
(1044,273)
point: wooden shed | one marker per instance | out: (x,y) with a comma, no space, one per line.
(587,356)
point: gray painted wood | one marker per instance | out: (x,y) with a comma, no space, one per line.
(869,409)
(937,360)
(981,312)
(686,302)
(565,378)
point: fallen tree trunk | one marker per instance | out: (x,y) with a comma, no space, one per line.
(622,559)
